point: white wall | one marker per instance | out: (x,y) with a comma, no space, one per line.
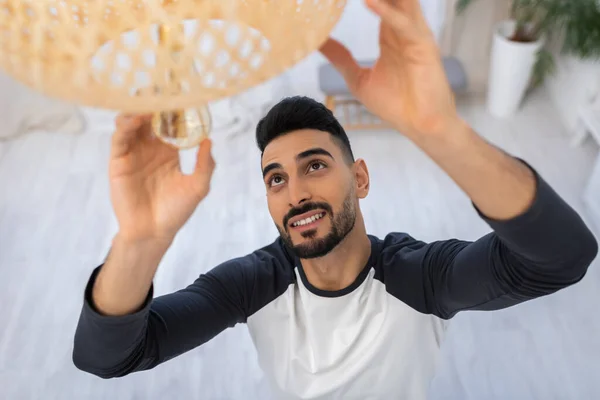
(469,38)
(575,83)
(359,27)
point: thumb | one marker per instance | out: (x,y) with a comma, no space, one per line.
(341,58)
(205,166)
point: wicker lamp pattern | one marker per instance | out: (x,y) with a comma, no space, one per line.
(168,57)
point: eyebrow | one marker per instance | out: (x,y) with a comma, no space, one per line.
(313,152)
(305,154)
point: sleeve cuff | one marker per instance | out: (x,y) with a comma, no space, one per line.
(545,197)
(90,309)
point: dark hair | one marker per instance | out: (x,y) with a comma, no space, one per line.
(300,112)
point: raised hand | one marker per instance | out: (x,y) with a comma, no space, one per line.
(151,196)
(407,86)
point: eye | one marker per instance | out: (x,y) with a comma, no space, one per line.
(316,165)
(275,181)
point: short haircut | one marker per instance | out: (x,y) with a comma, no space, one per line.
(300,112)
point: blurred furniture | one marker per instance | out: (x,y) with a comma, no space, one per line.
(589,124)
(24,110)
(349,110)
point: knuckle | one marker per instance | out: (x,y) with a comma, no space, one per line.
(203,190)
(127,122)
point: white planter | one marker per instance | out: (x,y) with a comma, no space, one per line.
(510,70)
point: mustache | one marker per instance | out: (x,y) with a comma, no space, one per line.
(304,208)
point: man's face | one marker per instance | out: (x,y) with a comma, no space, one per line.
(311,191)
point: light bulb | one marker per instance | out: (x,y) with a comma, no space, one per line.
(182,129)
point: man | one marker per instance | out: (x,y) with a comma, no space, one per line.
(334,312)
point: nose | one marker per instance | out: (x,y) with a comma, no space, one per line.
(298,192)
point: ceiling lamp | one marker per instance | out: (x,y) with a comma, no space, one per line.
(165,57)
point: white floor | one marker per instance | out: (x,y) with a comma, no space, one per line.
(56,224)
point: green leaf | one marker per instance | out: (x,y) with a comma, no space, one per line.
(577,20)
(582,30)
(462,5)
(544,67)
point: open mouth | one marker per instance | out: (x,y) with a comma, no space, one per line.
(308,221)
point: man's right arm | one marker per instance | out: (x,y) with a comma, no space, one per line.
(126,276)
(122,329)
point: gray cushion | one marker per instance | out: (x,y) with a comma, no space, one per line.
(332,83)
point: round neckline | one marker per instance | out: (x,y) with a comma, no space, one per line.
(348,289)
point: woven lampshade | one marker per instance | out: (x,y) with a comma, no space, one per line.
(108,53)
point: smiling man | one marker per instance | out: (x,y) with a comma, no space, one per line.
(334,313)
(311,228)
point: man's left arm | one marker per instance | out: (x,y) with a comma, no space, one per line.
(538,246)
(501,186)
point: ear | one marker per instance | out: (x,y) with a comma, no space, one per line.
(361,177)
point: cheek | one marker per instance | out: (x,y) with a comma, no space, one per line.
(275,207)
(333,191)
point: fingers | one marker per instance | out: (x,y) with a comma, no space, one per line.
(341,58)
(128,130)
(392,15)
(205,166)
(411,8)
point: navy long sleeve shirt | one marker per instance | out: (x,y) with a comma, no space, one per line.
(376,339)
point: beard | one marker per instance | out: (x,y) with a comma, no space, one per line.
(342,224)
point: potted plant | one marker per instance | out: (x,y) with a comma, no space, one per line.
(520,58)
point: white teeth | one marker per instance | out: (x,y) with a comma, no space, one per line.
(308,220)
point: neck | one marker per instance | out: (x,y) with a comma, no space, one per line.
(340,268)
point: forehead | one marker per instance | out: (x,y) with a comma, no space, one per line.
(287,147)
